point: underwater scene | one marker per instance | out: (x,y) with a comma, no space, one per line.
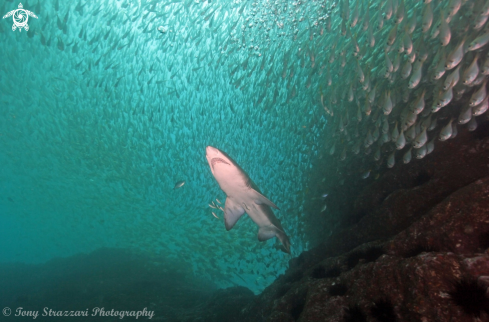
(244,160)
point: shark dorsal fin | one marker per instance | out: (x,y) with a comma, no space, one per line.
(232,213)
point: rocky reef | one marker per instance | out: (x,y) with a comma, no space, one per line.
(413,245)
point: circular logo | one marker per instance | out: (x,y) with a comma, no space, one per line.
(7,311)
(20,17)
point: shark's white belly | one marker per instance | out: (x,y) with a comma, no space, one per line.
(255,212)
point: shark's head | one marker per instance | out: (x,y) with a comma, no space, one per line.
(217,159)
(227,173)
(211,152)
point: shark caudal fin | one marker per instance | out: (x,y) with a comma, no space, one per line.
(232,212)
(267,232)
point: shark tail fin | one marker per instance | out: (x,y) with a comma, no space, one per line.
(262,200)
(267,232)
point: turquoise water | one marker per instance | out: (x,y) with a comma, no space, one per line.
(102,114)
(106,105)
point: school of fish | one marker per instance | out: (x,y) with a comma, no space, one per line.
(107,107)
(402,75)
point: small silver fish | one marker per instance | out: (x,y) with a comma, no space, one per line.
(452,79)
(481,108)
(409,119)
(355,15)
(366,18)
(416,74)
(179,184)
(419,103)
(479,95)
(470,74)
(400,12)
(218,201)
(388,63)
(385,125)
(479,22)
(421,152)
(445,33)
(479,42)
(454,130)
(388,9)
(485,9)
(380,22)
(377,154)
(465,115)
(443,100)
(410,133)
(406,69)
(453,7)
(433,124)
(455,56)
(323,209)
(446,132)
(440,68)
(420,139)
(387,108)
(371,37)
(391,161)
(401,141)
(407,156)
(391,38)
(407,42)
(425,123)
(365,175)
(472,125)
(427,17)
(411,25)
(394,134)
(430,146)
(371,95)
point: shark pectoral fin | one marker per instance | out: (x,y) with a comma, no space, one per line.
(232,212)
(262,200)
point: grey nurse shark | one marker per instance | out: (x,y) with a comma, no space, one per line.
(243,196)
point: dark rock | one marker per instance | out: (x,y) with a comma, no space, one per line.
(403,194)
(224,305)
(430,257)
(471,297)
(355,314)
(453,225)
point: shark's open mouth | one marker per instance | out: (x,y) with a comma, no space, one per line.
(217,160)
